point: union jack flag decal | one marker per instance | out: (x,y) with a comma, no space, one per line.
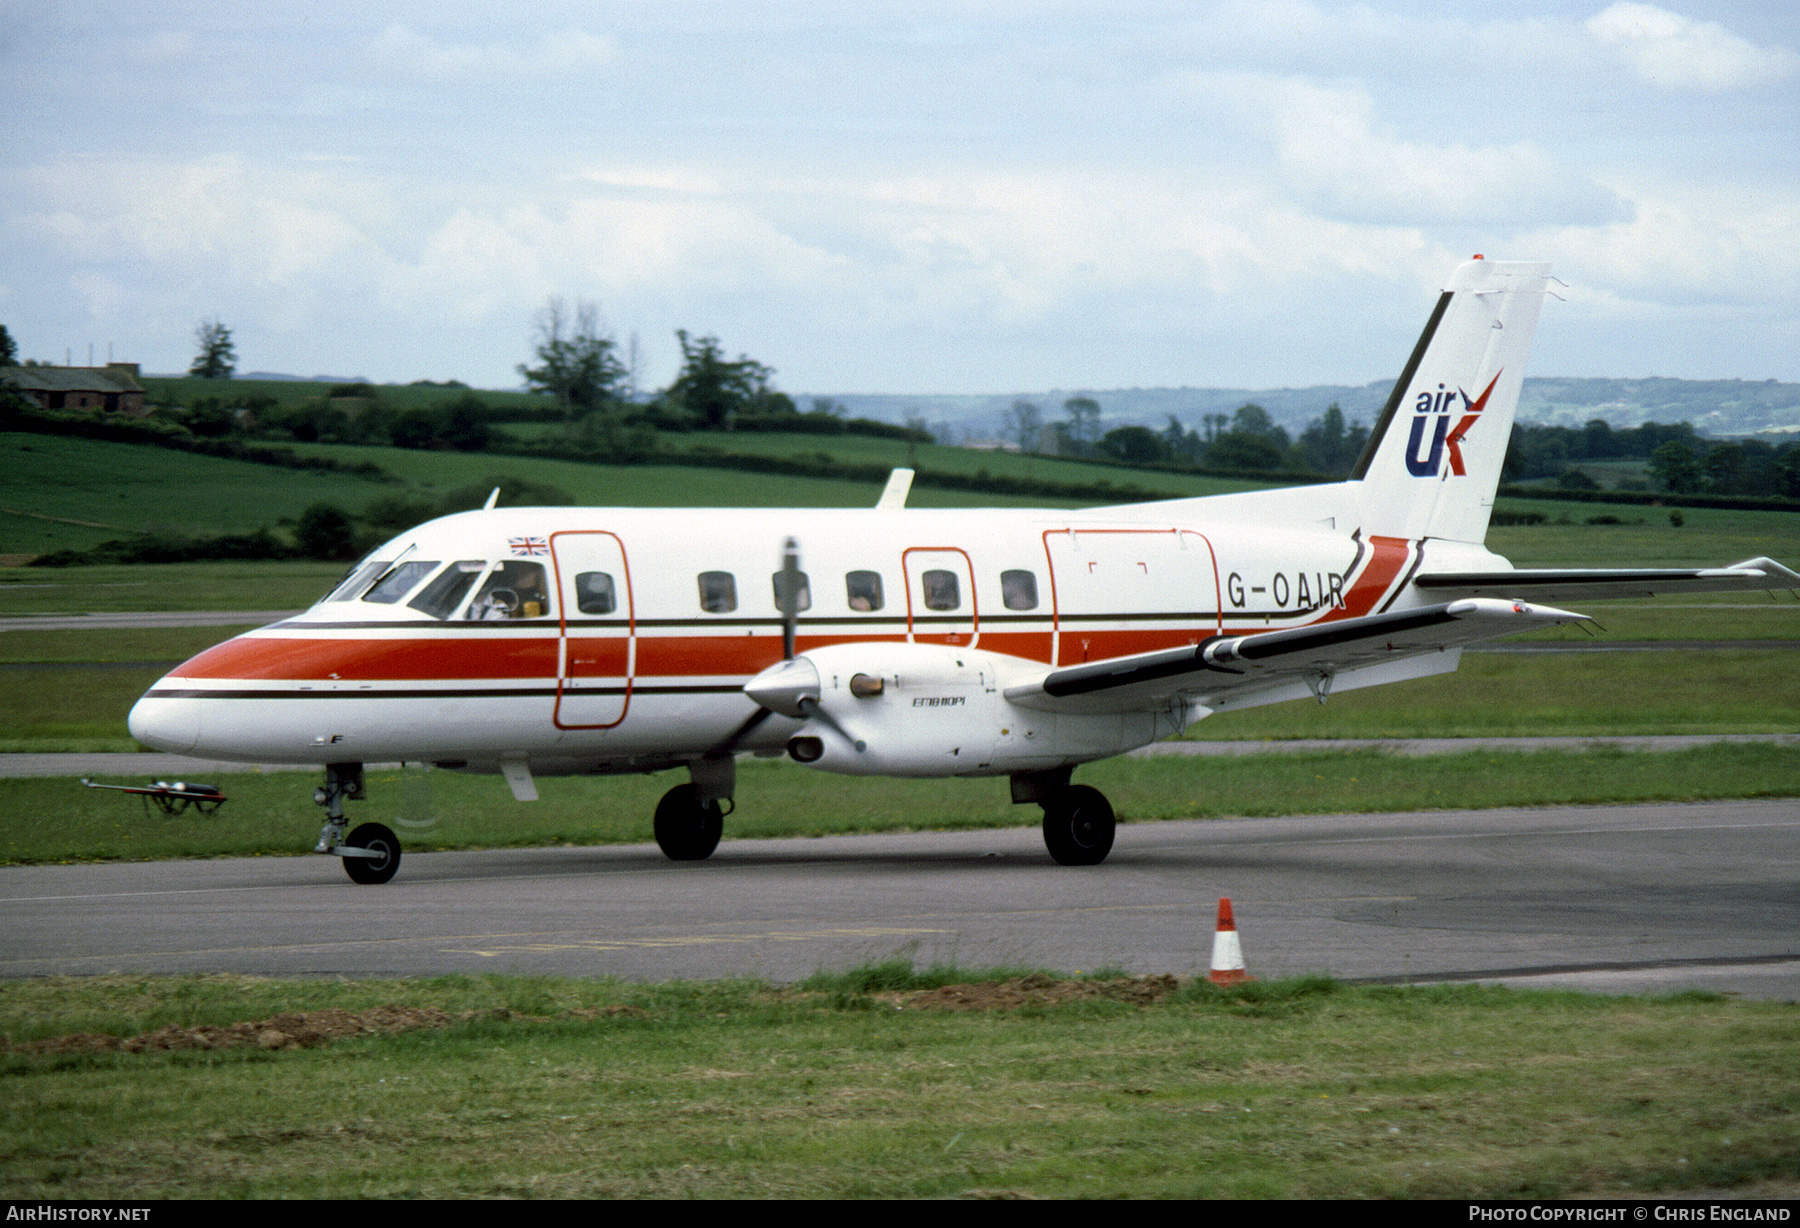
(528,545)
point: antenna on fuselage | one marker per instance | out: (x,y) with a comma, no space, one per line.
(893,496)
(493,498)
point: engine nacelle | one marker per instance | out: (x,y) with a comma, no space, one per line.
(885,709)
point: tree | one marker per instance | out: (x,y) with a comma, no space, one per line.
(1135,445)
(1675,468)
(718,391)
(1253,419)
(1084,423)
(1024,425)
(9,349)
(217,358)
(1327,446)
(577,361)
(324,531)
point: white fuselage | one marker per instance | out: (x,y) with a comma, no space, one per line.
(620,639)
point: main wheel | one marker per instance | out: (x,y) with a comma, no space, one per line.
(688,829)
(1078,826)
(377,839)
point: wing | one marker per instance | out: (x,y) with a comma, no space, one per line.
(1245,670)
(1589,585)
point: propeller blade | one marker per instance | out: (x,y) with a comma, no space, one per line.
(789,597)
(743,731)
(816,711)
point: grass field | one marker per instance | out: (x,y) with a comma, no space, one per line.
(65,493)
(936,458)
(72,493)
(858,1085)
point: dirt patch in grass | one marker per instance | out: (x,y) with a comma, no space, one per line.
(312,1029)
(1038,989)
(293,1030)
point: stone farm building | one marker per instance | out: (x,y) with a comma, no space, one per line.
(113,388)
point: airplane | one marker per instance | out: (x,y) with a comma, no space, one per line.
(906,642)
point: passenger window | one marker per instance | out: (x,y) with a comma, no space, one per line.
(594,593)
(512,590)
(941,590)
(863,589)
(802,594)
(1018,590)
(399,582)
(718,592)
(441,597)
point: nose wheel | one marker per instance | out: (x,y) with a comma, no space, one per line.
(371,854)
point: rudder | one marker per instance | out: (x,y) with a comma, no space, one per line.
(1433,461)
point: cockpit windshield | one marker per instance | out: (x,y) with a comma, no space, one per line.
(356,580)
(400,581)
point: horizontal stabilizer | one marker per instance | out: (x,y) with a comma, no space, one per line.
(1218,666)
(1590,584)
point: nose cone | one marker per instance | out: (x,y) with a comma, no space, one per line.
(166,724)
(782,687)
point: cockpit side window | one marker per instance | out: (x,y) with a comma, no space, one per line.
(514,589)
(718,592)
(862,589)
(441,597)
(400,581)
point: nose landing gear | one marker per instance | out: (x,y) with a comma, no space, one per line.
(371,853)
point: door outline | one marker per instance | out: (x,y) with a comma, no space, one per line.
(1074,534)
(566,671)
(958,625)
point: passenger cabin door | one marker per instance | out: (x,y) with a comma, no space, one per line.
(599,629)
(1123,591)
(940,597)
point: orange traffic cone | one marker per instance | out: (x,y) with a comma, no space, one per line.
(1228,955)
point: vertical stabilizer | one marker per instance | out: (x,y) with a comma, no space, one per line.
(1434,457)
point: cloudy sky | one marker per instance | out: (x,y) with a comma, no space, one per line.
(900,197)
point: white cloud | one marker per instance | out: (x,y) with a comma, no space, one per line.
(403,49)
(1677,53)
(1689,244)
(1330,144)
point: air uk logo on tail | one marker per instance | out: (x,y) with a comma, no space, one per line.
(1438,407)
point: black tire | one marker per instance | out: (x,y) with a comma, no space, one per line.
(688,829)
(372,869)
(1079,826)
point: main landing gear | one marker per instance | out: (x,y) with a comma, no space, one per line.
(690,818)
(688,826)
(371,853)
(1078,820)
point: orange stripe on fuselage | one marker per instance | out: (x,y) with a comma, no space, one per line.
(1387,557)
(281,659)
